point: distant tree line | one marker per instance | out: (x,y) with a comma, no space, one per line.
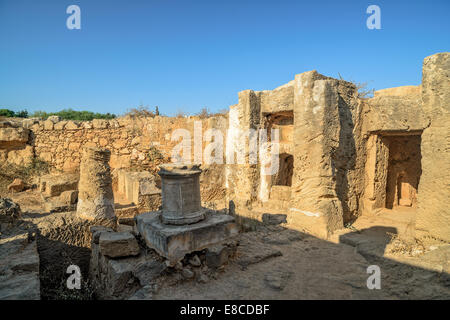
(66,114)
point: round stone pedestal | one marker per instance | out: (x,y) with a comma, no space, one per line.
(181,202)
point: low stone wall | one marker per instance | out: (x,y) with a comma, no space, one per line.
(132,141)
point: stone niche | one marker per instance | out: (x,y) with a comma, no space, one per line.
(393,170)
(281,182)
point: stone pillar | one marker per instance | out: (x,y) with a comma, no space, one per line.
(95,196)
(314,202)
(433,215)
(181,202)
(242,179)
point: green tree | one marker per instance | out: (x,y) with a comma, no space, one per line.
(6,113)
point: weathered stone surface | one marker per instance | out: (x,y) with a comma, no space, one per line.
(13,136)
(174,242)
(433,215)
(316,137)
(97,231)
(217,255)
(69,196)
(99,123)
(394,113)
(54,119)
(277,279)
(256,253)
(118,244)
(22,156)
(54,185)
(274,219)
(149,270)
(399,91)
(95,196)
(19,268)
(181,202)
(187,273)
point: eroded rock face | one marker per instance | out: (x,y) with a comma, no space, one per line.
(95,195)
(433,193)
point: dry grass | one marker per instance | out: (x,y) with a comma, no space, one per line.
(141,112)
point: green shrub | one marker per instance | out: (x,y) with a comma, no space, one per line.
(11,114)
(69,114)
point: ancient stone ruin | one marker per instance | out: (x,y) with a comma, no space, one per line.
(183,226)
(360,181)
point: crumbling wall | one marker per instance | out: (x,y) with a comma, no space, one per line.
(132,141)
(140,143)
(14,147)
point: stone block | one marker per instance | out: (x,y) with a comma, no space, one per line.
(118,244)
(69,197)
(16,186)
(54,185)
(175,241)
(217,256)
(100,124)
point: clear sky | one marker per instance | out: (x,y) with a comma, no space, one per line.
(185,55)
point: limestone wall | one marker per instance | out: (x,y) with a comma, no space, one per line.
(132,142)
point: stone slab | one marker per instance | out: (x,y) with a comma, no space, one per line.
(118,244)
(175,241)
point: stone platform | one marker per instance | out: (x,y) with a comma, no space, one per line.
(175,241)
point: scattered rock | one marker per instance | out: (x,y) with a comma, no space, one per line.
(9,211)
(277,280)
(274,219)
(147,271)
(16,186)
(203,278)
(187,273)
(217,255)
(179,266)
(195,261)
(118,244)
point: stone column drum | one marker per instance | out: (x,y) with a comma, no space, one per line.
(181,202)
(95,195)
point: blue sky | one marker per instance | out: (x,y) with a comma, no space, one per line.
(185,55)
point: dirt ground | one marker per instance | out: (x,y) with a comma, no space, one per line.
(272,261)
